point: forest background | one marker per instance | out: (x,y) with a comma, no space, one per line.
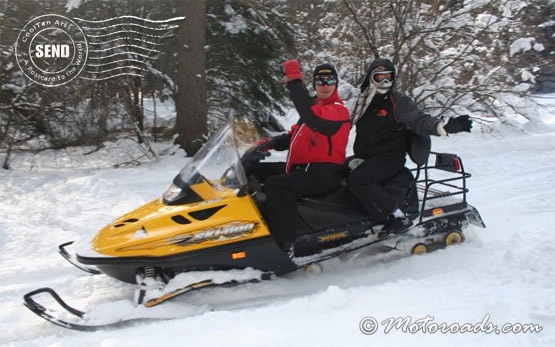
(223,59)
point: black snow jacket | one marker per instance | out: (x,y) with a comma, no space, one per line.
(384,127)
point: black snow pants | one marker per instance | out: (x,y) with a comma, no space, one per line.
(283,189)
(365,183)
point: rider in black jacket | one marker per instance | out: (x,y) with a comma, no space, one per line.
(383,117)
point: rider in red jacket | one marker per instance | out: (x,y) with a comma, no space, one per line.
(317,148)
(322,131)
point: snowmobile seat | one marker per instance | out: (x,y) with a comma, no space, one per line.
(339,207)
(419,148)
(342,207)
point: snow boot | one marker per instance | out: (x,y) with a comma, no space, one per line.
(395,225)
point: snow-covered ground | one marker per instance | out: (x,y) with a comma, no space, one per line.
(504,274)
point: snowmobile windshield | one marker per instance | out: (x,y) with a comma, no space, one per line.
(215,168)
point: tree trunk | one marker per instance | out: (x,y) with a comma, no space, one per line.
(190,102)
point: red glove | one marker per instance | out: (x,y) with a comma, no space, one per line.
(263,145)
(292,70)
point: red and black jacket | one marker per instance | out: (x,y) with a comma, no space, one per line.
(322,132)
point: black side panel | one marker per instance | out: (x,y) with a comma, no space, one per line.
(330,238)
(337,208)
(260,253)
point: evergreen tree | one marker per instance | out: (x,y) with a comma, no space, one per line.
(246,44)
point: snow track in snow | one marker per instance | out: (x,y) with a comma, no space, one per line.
(505,271)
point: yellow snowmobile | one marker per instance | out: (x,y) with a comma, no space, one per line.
(207,229)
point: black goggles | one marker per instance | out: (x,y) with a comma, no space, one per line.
(325,80)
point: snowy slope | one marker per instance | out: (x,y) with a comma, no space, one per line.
(502,274)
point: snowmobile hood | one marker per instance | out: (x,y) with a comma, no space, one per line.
(203,207)
(159,230)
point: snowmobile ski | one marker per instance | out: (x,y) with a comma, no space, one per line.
(76,318)
(69,317)
(73,261)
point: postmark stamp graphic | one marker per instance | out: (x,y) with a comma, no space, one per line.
(51,50)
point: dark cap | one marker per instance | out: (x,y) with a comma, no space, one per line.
(325,70)
(382,62)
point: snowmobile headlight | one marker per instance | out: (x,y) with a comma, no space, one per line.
(172,193)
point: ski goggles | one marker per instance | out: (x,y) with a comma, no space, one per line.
(325,80)
(378,80)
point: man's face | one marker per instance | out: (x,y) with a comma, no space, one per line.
(325,86)
(382,73)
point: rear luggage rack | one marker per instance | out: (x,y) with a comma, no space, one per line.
(434,192)
(452,183)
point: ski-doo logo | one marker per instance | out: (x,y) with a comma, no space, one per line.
(225,232)
(221,233)
(51,50)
